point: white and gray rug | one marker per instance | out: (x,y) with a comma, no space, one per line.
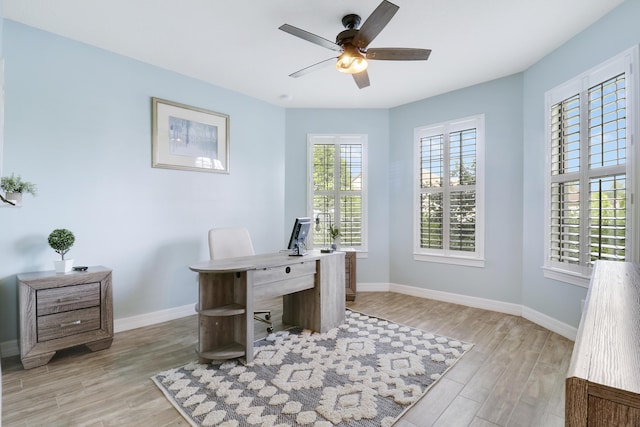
(366,373)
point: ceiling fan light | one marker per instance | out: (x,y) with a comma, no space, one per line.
(351,62)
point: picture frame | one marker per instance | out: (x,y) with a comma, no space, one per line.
(189,138)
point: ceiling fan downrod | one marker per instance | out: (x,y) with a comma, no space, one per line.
(351,21)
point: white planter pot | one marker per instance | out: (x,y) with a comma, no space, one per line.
(16,198)
(63,266)
(335,243)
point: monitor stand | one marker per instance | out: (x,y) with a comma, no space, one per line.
(296,251)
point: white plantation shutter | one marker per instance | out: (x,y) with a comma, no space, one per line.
(565,182)
(462,182)
(431,191)
(337,188)
(607,170)
(589,213)
(449,188)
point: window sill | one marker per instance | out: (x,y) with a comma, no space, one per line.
(442,259)
(566,277)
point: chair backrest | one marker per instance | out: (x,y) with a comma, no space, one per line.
(229,243)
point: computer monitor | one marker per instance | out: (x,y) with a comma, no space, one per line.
(297,241)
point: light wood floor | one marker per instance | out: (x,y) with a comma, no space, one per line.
(514,375)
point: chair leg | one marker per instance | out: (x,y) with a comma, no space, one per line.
(266,319)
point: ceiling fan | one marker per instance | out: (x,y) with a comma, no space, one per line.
(352,44)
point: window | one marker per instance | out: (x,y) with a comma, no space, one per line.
(338,183)
(589,171)
(449,183)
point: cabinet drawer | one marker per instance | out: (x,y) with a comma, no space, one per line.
(273,274)
(69,323)
(67,298)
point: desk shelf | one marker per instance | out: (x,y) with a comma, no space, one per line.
(222,316)
(230,351)
(222,311)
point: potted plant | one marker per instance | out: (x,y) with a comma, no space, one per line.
(61,241)
(334,232)
(14,187)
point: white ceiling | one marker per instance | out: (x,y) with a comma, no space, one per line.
(236,44)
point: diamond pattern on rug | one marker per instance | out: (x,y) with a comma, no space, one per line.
(366,372)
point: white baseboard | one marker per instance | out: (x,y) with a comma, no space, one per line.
(469,301)
(550,323)
(373,287)
(149,319)
(11,348)
(530,314)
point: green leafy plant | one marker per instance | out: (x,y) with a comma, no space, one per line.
(334,232)
(61,240)
(15,184)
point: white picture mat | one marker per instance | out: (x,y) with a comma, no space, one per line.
(162,155)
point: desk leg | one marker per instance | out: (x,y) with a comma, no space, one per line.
(302,309)
(323,307)
(248,302)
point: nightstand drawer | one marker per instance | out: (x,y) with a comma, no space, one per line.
(67,298)
(70,323)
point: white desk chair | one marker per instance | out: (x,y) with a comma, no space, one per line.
(235,242)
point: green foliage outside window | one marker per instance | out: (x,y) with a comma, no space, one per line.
(344,214)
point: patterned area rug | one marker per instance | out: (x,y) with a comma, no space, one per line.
(366,372)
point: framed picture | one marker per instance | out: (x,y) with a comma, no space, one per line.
(189,138)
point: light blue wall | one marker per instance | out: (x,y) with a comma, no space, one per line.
(78,124)
(501,103)
(1,37)
(614,33)
(375,124)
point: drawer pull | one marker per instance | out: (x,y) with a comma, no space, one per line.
(287,270)
(67,299)
(77,322)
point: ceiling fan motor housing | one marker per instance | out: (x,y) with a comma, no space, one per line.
(346,36)
(351,22)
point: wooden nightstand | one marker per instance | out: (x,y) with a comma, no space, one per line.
(350,275)
(64,310)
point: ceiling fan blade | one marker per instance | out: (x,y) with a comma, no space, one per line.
(361,79)
(398,54)
(374,24)
(313,67)
(310,37)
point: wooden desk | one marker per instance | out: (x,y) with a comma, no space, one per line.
(312,285)
(603,381)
